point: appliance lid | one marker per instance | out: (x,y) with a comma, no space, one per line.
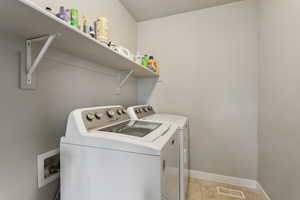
(180,121)
(133,128)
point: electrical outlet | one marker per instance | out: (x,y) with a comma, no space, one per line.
(48,167)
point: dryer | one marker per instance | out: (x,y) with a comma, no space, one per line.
(105,155)
(147,112)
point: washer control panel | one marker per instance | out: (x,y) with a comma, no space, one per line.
(98,118)
(143,111)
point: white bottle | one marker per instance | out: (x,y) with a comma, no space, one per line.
(138,58)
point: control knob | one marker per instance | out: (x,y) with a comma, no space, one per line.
(124,111)
(98,116)
(110,113)
(90,117)
(145,109)
(119,112)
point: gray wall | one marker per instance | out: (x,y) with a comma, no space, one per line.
(279,110)
(33,121)
(209,66)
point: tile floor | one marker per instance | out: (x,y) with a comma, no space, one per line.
(205,190)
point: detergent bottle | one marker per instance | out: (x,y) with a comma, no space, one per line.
(151,64)
(145,60)
(156,66)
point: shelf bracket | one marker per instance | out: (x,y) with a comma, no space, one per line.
(27,65)
(122,82)
(31,66)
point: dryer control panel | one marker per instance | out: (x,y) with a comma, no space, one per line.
(98,118)
(143,111)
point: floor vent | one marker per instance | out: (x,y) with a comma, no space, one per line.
(231,193)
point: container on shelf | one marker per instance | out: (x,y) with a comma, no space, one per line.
(138,58)
(75,17)
(101,28)
(85,24)
(145,60)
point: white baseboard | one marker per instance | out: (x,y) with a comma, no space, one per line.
(224,179)
(253,184)
(260,188)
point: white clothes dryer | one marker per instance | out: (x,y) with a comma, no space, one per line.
(146,112)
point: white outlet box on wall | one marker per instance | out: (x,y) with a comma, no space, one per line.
(48,167)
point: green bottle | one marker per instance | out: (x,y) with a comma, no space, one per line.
(74,17)
(145,60)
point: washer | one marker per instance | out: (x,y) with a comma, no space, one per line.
(146,112)
(105,155)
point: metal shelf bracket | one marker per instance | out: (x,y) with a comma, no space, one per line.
(122,82)
(31,66)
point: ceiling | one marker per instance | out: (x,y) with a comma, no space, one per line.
(143,10)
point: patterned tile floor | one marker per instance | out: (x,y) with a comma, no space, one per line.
(205,190)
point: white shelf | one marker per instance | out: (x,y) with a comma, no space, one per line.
(26,19)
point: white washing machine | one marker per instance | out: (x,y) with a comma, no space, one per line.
(105,155)
(146,112)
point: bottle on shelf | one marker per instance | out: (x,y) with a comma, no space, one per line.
(145,61)
(138,58)
(156,66)
(101,29)
(75,17)
(63,14)
(85,25)
(152,64)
